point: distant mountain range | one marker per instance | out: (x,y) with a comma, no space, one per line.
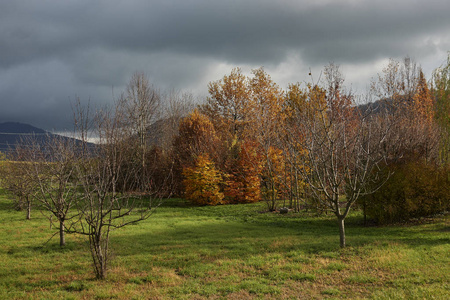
(14,133)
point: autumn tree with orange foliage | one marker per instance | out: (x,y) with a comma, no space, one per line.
(202,182)
(245,113)
(228,105)
(423,107)
(267,124)
(196,137)
(307,102)
(243,184)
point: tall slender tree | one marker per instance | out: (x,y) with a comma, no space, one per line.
(140,104)
(228,105)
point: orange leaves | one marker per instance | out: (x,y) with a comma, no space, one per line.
(309,102)
(422,101)
(202,182)
(228,104)
(196,137)
(273,174)
(247,113)
(267,102)
(243,178)
(266,95)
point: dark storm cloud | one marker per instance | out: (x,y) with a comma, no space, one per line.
(54,50)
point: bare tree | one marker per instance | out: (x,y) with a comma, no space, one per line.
(140,106)
(398,83)
(15,178)
(403,91)
(343,145)
(177,105)
(103,206)
(51,167)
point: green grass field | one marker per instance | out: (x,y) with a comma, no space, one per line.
(228,252)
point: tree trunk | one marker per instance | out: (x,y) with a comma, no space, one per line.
(364,212)
(28,211)
(62,237)
(101,262)
(28,207)
(341,231)
(99,254)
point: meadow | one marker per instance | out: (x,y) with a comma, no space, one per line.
(228,252)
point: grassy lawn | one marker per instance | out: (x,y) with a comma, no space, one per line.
(228,252)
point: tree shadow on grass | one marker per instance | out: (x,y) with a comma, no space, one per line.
(411,235)
(262,235)
(235,239)
(5,200)
(202,235)
(176,203)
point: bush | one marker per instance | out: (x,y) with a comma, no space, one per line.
(415,189)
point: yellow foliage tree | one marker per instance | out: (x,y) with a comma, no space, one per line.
(274,177)
(228,105)
(202,182)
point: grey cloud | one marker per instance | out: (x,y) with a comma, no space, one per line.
(53,50)
(242,32)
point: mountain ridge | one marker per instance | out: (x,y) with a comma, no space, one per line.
(19,128)
(16,133)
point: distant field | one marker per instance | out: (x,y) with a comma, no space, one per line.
(228,252)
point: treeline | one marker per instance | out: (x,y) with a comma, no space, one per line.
(417,168)
(314,146)
(311,146)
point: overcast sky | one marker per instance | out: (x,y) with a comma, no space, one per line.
(53,51)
